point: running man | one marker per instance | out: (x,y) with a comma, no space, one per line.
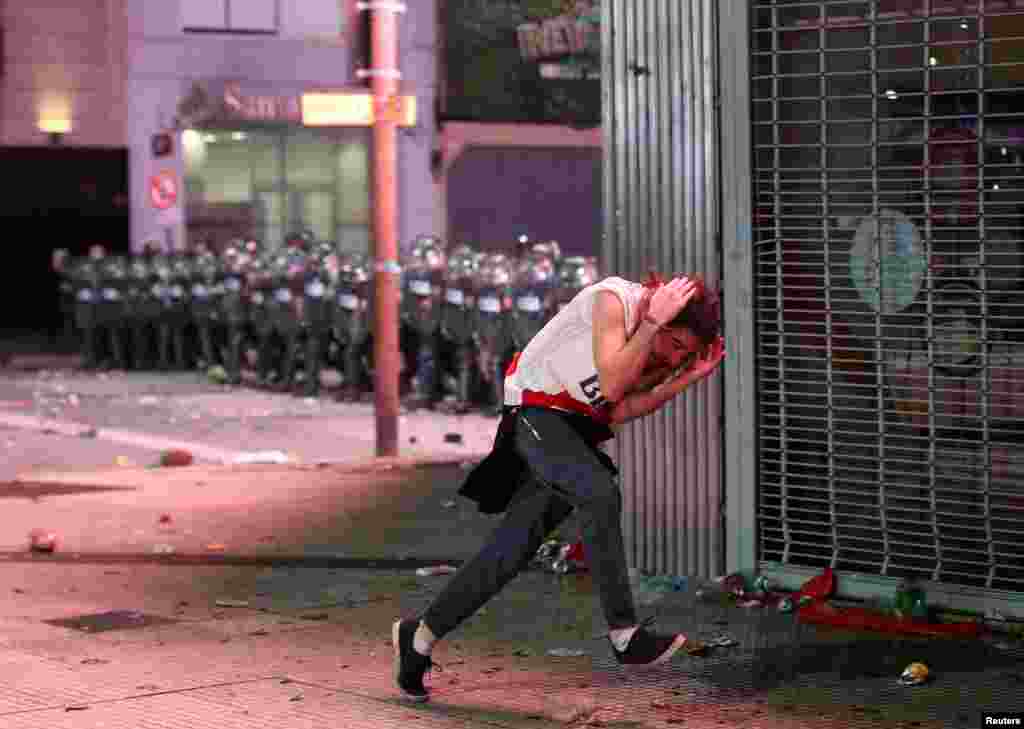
(618,351)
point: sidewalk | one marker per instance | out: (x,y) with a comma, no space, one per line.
(306,644)
(51,420)
(310,650)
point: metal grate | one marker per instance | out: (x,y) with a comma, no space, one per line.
(888,201)
(661,213)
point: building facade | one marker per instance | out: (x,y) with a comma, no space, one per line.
(518,153)
(227,80)
(851,173)
(127,120)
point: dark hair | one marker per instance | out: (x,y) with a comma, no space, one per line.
(702,316)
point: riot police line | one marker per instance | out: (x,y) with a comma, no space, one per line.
(290,312)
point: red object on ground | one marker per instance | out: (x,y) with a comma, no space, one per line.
(576,554)
(819,587)
(176,457)
(864,619)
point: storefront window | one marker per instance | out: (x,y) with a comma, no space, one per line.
(268,183)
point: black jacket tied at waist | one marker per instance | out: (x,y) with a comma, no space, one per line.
(495,480)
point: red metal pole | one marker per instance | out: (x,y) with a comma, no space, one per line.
(385,76)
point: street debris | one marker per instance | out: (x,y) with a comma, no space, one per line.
(721,641)
(124,462)
(915,674)
(992,615)
(176,457)
(163,549)
(75,707)
(217,375)
(94,661)
(561,557)
(566,652)
(453,437)
(229,603)
(412,439)
(73,400)
(278,457)
(88,433)
(42,540)
(441,569)
(297,697)
(164,519)
(216,547)
(149,400)
(448,504)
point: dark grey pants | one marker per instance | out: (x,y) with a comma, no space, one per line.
(565,473)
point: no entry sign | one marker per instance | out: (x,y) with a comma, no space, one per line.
(163,190)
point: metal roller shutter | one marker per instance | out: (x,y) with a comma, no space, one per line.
(888,164)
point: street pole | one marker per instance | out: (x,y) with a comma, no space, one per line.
(385,76)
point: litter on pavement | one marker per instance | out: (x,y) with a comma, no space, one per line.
(441,569)
(228,603)
(42,540)
(252,457)
(566,652)
(915,674)
(176,457)
(721,641)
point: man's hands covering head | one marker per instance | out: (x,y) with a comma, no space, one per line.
(663,304)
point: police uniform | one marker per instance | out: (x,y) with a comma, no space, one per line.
(85,279)
(316,316)
(350,325)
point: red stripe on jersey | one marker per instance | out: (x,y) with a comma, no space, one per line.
(564,401)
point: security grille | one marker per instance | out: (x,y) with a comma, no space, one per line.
(888,189)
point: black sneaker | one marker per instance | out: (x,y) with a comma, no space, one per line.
(651,649)
(409,665)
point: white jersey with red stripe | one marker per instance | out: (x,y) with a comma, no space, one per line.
(557,367)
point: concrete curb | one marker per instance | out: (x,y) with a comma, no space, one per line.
(120,474)
(113,435)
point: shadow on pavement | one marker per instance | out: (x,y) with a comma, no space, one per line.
(33,490)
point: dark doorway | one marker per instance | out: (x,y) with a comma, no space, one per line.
(54,197)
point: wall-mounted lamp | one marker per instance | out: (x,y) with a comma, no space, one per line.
(54,114)
(55,129)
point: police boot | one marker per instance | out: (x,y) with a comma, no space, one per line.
(180,361)
(89,337)
(208,357)
(164,336)
(265,366)
(291,347)
(314,361)
(462,395)
(234,355)
(116,344)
